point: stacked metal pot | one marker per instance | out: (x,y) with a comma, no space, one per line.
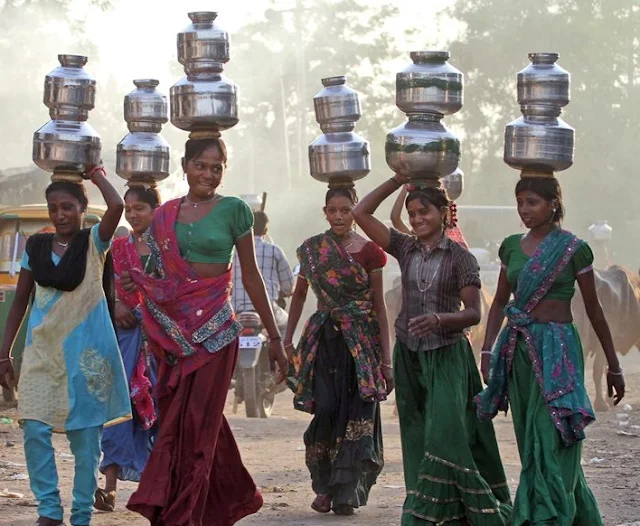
(423,148)
(204,102)
(339,156)
(540,143)
(67,144)
(142,156)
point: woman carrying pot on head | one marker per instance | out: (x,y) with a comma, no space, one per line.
(126,447)
(452,467)
(342,363)
(195,475)
(72,379)
(537,365)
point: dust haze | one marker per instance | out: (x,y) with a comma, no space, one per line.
(279,52)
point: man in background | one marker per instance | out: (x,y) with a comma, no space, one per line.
(275,269)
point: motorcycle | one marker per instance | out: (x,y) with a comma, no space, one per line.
(254,384)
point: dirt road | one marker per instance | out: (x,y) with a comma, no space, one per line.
(273,452)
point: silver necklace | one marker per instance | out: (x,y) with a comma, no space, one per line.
(63,245)
(195,204)
(435,273)
(433,277)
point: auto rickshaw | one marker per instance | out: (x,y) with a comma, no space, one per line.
(16,225)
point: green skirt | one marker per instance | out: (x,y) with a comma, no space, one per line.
(452,467)
(552,488)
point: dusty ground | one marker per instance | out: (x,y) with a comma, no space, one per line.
(273,452)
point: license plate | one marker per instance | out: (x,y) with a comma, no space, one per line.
(250,342)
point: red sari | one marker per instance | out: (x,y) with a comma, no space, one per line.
(195,476)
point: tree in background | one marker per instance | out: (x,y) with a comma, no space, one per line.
(599,45)
(278,63)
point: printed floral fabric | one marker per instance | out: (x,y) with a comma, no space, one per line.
(343,290)
(126,257)
(552,347)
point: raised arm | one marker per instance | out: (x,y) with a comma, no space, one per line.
(396,212)
(363,212)
(115,204)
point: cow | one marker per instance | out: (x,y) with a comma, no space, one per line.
(619,292)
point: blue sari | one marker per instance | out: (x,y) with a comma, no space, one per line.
(553,348)
(128,445)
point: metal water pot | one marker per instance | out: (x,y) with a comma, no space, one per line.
(205,99)
(339,156)
(454,184)
(422,148)
(337,106)
(67,144)
(429,85)
(539,140)
(255,201)
(142,156)
(543,81)
(601,231)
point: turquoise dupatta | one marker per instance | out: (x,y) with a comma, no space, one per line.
(552,347)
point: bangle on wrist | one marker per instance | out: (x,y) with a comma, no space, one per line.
(275,338)
(438,319)
(616,373)
(6,359)
(490,353)
(289,345)
(386,365)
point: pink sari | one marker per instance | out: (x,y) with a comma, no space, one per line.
(195,475)
(188,318)
(126,258)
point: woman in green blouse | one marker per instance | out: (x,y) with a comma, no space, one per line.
(537,366)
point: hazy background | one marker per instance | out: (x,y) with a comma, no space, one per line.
(281,49)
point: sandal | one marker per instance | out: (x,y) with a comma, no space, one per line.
(343,509)
(322,504)
(104,501)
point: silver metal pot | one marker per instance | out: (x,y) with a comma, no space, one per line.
(539,141)
(67,144)
(429,85)
(422,148)
(543,81)
(339,156)
(205,99)
(142,156)
(454,184)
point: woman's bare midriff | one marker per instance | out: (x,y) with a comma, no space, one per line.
(209,270)
(553,311)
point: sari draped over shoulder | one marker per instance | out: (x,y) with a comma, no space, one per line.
(552,347)
(343,290)
(195,475)
(125,258)
(188,318)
